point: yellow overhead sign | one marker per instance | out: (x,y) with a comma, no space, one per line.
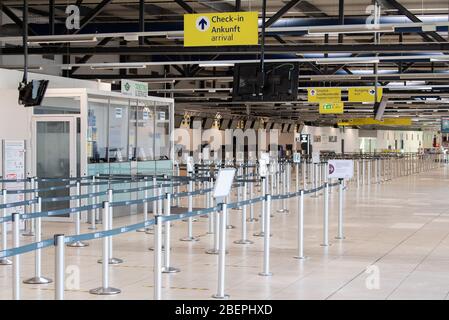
(364,94)
(401,122)
(319,95)
(221,29)
(331,107)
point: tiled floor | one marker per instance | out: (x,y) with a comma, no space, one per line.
(396,247)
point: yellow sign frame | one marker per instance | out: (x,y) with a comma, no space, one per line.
(221,29)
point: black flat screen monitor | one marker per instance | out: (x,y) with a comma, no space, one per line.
(281,82)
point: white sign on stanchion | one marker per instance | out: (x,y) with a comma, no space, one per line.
(224,183)
(341,169)
(296,157)
(315,157)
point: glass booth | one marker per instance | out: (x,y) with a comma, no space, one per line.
(84,132)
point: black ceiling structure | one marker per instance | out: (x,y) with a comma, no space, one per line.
(207,90)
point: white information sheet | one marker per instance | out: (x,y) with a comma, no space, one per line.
(341,169)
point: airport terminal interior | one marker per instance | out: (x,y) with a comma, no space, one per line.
(224,150)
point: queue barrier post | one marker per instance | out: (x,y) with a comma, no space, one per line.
(244,239)
(167,268)
(93,211)
(326,216)
(145,205)
(340,235)
(300,254)
(38,278)
(190,237)
(112,259)
(77,217)
(16,259)
(29,229)
(105,289)
(266,240)
(262,216)
(157,271)
(251,206)
(59,240)
(222,255)
(4,261)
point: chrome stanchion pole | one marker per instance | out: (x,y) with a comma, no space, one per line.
(210,217)
(105,289)
(251,206)
(93,211)
(301,227)
(244,239)
(190,236)
(297,176)
(16,258)
(29,229)
(145,205)
(97,200)
(326,217)
(77,217)
(158,258)
(167,268)
(111,260)
(222,255)
(340,235)
(216,247)
(284,190)
(4,261)
(262,216)
(38,278)
(59,266)
(266,240)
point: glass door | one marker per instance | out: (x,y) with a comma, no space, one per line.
(55,145)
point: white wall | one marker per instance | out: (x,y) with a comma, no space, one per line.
(15,119)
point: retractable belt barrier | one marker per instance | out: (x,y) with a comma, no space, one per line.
(125,229)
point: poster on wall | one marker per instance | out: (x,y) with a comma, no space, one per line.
(14,169)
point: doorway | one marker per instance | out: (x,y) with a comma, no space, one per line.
(56,146)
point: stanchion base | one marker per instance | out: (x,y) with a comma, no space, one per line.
(149,231)
(189,239)
(340,238)
(325,245)
(261,234)
(77,244)
(28,234)
(152,248)
(216,296)
(92,228)
(243,242)
(252,220)
(5,262)
(204,216)
(38,280)
(112,261)
(230,226)
(105,291)
(213,251)
(282,211)
(265,274)
(301,258)
(170,270)
(195,220)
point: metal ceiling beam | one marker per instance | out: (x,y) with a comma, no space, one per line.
(86,58)
(92,14)
(185,6)
(11,15)
(251,50)
(310,10)
(281,12)
(403,10)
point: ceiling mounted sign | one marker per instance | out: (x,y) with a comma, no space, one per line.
(221,29)
(364,94)
(134,88)
(401,122)
(331,108)
(319,95)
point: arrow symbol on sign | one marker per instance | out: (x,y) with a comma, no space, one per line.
(202,23)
